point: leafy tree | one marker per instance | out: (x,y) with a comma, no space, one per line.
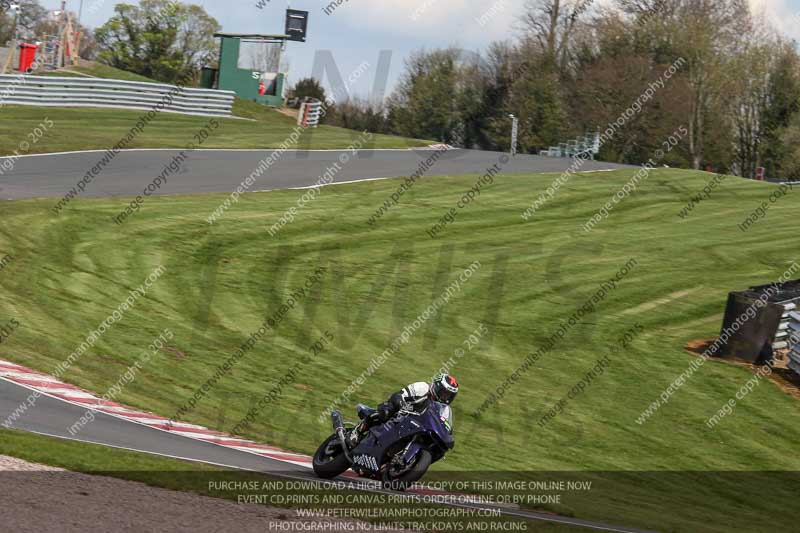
(195,38)
(706,33)
(424,103)
(535,98)
(790,139)
(31,14)
(160,39)
(6,29)
(309,88)
(498,73)
(783,105)
(360,115)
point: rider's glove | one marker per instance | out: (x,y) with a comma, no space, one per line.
(384,412)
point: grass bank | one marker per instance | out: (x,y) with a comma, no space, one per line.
(99,129)
(222,281)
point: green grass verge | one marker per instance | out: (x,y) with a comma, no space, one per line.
(104,71)
(94,128)
(59,74)
(70,271)
(100,71)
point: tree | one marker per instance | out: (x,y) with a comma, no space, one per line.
(6,28)
(790,139)
(498,75)
(424,103)
(532,91)
(471,86)
(536,100)
(748,101)
(195,38)
(309,88)
(161,39)
(783,105)
(705,33)
(30,14)
(357,114)
(551,25)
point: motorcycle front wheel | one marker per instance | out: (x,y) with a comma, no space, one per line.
(329,460)
(403,480)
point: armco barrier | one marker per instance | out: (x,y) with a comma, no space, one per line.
(97,92)
(310,114)
(793,326)
(767,309)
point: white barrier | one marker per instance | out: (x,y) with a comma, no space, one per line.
(792,334)
(310,114)
(96,92)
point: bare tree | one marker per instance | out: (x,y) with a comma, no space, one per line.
(551,25)
(751,68)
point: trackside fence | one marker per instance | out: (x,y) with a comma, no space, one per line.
(96,92)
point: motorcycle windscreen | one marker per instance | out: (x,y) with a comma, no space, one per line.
(446,416)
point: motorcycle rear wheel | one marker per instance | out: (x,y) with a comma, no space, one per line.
(410,476)
(329,460)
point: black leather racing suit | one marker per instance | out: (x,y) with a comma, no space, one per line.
(414,397)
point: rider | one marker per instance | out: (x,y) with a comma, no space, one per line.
(414,397)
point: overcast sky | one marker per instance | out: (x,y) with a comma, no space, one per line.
(358,29)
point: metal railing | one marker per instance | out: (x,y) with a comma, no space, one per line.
(97,92)
(588,144)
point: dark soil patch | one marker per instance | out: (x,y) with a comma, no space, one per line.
(784,377)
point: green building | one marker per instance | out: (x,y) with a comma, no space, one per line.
(249,65)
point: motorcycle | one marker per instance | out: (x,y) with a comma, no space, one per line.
(397,452)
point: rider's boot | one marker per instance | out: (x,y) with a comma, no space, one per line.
(357,434)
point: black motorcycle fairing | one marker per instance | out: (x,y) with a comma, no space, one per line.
(394,435)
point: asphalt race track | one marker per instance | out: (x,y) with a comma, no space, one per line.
(206,171)
(51,416)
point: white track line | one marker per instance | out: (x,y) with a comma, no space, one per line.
(153,421)
(118,409)
(12,365)
(27,375)
(346,182)
(253,449)
(99,151)
(71,393)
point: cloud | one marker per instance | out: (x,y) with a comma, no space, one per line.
(782,14)
(481,21)
(466,21)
